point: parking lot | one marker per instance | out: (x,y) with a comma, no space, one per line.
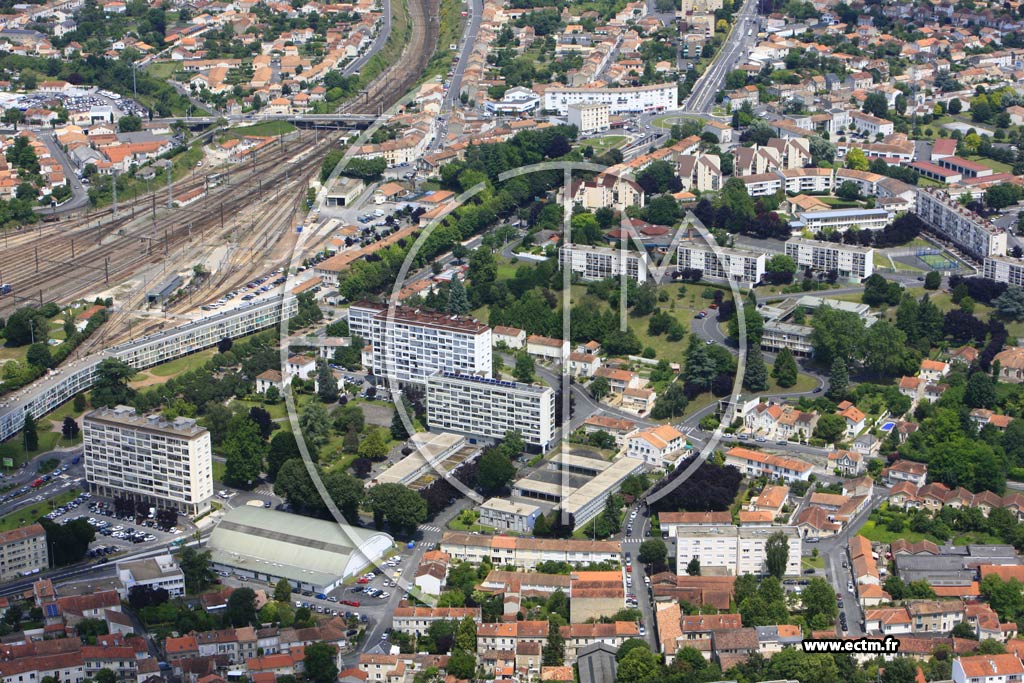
(250,291)
(116,533)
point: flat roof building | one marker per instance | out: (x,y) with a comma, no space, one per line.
(721,263)
(841,219)
(312,554)
(599,263)
(490,408)
(733,550)
(160,572)
(976,236)
(23,551)
(409,345)
(166,464)
(855,263)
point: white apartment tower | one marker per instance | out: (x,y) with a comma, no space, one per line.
(167,464)
(489,408)
(414,344)
(598,263)
(967,230)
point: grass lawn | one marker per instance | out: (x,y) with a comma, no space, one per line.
(263,129)
(181,365)
(163,70)
(278,411)
(218,470)
(881,260)
(838,203)
(27,515)
(804,383)
(883,535)
(997,166)
(14,448)
(809,562)
(604,143)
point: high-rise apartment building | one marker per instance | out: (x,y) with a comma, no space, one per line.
(490,408)
(166,463)
(23,551)
(413,344)
(599,263)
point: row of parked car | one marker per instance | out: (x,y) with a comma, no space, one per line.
(68,507)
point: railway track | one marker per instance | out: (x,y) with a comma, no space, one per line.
(60,261)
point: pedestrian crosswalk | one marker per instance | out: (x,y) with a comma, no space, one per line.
(264,490)
(632,540)
(426,527)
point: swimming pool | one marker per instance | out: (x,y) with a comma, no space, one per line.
(888,426)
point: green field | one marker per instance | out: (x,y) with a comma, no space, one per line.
(28,515)
(603,143)
(218,470)
(164,70)
(183,364)
(14,448)
(264,129)
(996,166)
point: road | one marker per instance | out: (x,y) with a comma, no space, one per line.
(737,44)
(79,195)
(376,46)
(469,35)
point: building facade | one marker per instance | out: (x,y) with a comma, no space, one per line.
(970,232)
(23,551)
(723,264)
(1004,269)
(855,263)
(490,408)
(167,464)
(599,263)
(589,118)
(644,98)
(737,550)
(411,345)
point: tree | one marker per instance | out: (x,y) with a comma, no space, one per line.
(458,301)
(652,551)
(374,445)
(524,367)
(848,190)
(599,387)
(326,383)
(857,160)
(785,370)
(838,380)
(980,392)
(283,447)
(283,591)
(39,355)
(111,385)
(402,508)
(553,652)
(755,374)
(1010,304)
(195,565)
(875,103)
(244,450)
(495,469)
(69,428)
(241,607)
(321,663)
(30,434)
(671,402)
(315,424)
(68,542)
(1002,195)
(899,670)
(780,269)
(105,675)
(693,566)
(640,665)
(776,554)
(933,280)
(819,603)
(830,428)
(129,124)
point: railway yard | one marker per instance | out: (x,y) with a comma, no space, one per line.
(245,222)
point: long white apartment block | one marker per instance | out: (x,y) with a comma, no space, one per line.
(643,98)
(734,549)
(598,263)
(490,408)
(1004,269)
(722,263)
(48,393)
(409,344)
(849,261)
(167,464)
(970,232)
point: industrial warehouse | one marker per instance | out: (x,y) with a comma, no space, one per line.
(313,554)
